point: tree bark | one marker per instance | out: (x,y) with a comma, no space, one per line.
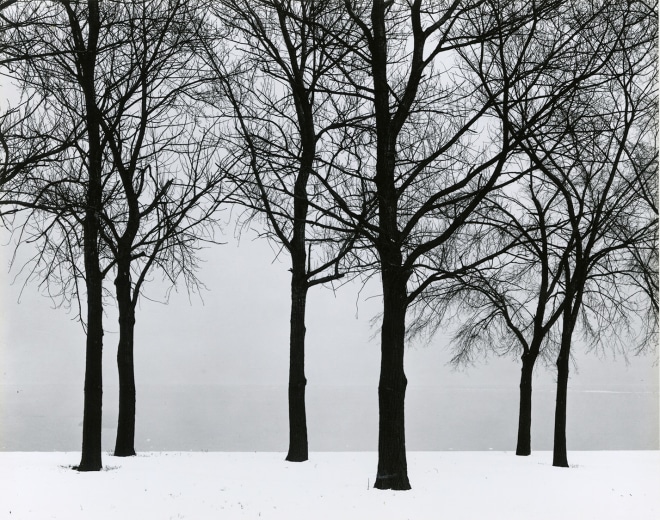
(298,444)
(559,455)
(125,441)
(93,402)
(524,445)
(392,464)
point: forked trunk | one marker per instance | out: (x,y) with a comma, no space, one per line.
(524,445)
(125,441)
(392,464)
(298,445)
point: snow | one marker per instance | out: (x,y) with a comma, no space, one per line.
(599,485)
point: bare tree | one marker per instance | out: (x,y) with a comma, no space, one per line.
(151,188)
(166,180)
(419,162)
(510,303)
(281,108)
(515,303)
(588,154)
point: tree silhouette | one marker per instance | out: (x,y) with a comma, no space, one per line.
(514,304)
(142,182)
(588,155)
(418,163)
(280,110)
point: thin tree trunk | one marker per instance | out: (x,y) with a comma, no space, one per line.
(298,444)
(125,441)
(524,445)
(392,464)
(559,455)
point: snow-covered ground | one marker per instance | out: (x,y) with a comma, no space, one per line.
(600,485)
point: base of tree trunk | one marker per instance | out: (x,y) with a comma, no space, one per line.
(560,462)
(297,457)
(298,445)
(88,467)
(523,452)
(395,482)
(124,453)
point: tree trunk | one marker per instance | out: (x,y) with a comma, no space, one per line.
(559,456)
(524,446)
(392,465)
(298,445)
(93,402)
(125,441)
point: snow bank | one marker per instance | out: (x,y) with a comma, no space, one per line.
(451,485)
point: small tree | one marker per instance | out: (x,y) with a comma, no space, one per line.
(508,304)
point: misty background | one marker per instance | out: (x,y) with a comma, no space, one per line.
(212,371)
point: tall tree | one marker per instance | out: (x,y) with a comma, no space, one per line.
(151,189)
(164,189)
(281,109)
(419,164)
(588,155)
(84,27)
(515,304)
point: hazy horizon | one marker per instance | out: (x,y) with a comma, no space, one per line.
(238,337)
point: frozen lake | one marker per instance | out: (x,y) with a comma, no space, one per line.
(48,417)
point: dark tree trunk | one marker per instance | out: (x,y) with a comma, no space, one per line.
(559,456)
(524,446)
(93,403)
(298,445)
(92,415)
(125,442)
(569,319)
(392,464)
